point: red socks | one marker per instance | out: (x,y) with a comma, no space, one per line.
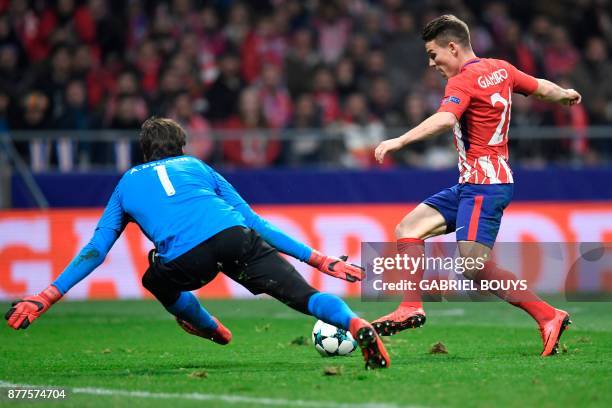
(414,248)
(525,299)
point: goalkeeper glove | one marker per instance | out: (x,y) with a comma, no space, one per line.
(336,267)
(28,309)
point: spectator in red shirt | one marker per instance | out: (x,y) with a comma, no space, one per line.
(274,97)
(516,51)
(248,142)
(200,143)
(148,64)
(362,132)
(333,28)
(325,95)
(560,56)
(87,67)
(64,23)
(265,44)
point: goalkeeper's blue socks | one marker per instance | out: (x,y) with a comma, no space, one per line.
(331,309)
(189,309)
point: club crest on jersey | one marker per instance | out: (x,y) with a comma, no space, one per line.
(452,99)
(493,78)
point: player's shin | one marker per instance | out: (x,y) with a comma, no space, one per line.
(519,297)
(413,248)
(188,308)
(330,309)
(409,314)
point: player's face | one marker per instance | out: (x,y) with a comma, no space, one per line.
(443,59)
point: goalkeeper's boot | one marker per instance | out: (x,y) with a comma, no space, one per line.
(551,331)
(372,347)
(220,335)
(402,318)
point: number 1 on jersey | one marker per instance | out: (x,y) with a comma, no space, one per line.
(162,173)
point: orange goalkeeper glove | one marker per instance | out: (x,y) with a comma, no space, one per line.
(28,309)
(336,267)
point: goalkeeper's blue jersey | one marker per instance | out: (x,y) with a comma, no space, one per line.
(178,202)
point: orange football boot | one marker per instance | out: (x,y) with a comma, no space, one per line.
(372,347)
(552,330)
(402,318)
(220,335)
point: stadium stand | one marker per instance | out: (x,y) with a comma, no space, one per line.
(284,82)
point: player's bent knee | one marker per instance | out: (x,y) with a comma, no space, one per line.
(147,280)
(403,231)
(151,283)
(477,253)
(421,223)
(407,230)
(295,294)
(299,301)
(165,294)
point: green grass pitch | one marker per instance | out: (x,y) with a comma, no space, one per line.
(107,348)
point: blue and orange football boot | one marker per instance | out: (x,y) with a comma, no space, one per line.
(220,335)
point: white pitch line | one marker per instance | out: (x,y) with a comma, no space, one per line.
(230,399)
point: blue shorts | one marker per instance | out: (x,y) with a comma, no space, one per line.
(473,211)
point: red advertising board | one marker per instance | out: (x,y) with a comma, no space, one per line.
(35,246)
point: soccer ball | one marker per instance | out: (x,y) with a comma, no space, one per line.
(331,341)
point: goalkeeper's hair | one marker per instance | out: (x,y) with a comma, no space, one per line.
(161,138)
(445,29)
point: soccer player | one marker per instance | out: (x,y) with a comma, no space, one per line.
(476,106)
(200,225)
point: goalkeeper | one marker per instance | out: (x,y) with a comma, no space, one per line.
(200,226)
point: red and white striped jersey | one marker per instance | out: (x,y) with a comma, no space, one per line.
(480,96)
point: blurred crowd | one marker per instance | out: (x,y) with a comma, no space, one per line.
(286,82)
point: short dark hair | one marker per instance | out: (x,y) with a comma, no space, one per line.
(161,138)
(445,29)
